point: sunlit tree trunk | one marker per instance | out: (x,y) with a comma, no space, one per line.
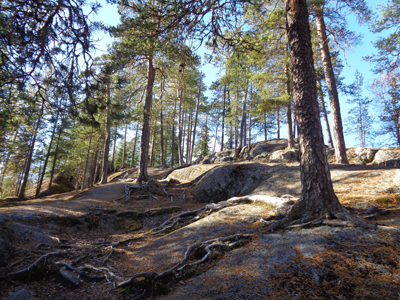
(104,169)
(340,146)
(144,144)
(21,194)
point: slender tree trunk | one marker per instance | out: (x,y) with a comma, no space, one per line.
(124,149)
(134,146)
(278,123)
(3,173)
(152,150)
(180,121)
(250,110)
(223,120)
(53,167)
(230,121)
(206,136)
(21,194)
(94,168)
(243,123)
(324,114)
(162,124)
(104,169)
(216,135)
(114,146)
(188,137)
(195,120)
(39,186)
(265,127)
(236,118)
(289,105)
(173,137)
(340,146)
(144,144)
(83,185)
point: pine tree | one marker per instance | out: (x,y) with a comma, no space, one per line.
(359,120)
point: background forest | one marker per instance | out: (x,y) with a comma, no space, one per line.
(64,109)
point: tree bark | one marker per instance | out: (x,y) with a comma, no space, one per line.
(340,146)
(134,146)
(39,186)
(250,109)
(3,173)
(324,114)
(144,143)
(223,120)
(195,119)
(162,124)
(104,169)
(114,145)
(180,129)
(87,161)
(124,149)
(21,194)
(318,199)
(289,106)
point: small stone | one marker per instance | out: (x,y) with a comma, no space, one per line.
(22,294)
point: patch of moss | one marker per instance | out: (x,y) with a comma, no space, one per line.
(134,225)
(8,203)
(93,221)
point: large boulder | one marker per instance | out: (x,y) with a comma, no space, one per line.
(60,184)
(6,251)
(387,158)
(291,155)
(224,182)
(360,156)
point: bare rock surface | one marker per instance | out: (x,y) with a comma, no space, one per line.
(387,158)
(254,271)
(228,221)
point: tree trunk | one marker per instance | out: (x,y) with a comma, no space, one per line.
(223,120)
(87,161)
(180,121)
(340,146)
(318,199)
(243,123)
(3,173)
(124,149)
(289,106)
(324,114)
(216,135)
(250,109)
(53,167)
(278,123)
(104,169)
(162,124)
(134,146)
(144,143)
(173,137)
(114,145)
(39,186)
(195,120)
(152,150)
(265,127)
(21,194)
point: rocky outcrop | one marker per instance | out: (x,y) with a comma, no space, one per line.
(276,151)
(224,182)
(388,158)
(60,184)
(257,151)
(6,251)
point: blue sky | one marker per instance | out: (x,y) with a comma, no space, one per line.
(354,59)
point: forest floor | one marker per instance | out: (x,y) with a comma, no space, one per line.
(101,237)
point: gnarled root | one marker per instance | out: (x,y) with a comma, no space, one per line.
(279,205)
(226,242)
(299,217)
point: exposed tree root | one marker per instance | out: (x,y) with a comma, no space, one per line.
(38,264)
(206,245)
(297,217)
(279,205)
